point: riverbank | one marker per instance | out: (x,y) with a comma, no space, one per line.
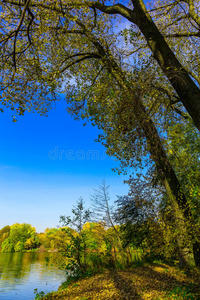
(150,281)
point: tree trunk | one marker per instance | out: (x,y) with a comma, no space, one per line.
(196,250)
(185,87)
(178,201)
(186,254)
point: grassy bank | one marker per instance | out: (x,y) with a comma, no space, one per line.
(154,281)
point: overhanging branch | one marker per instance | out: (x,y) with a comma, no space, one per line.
(117,9)
(79,60)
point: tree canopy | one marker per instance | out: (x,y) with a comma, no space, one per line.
(42,41)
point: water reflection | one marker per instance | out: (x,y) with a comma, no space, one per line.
(21,273)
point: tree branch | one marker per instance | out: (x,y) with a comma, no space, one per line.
(117,9)
(17,31)
(184,34)
(79,60)
(78,54)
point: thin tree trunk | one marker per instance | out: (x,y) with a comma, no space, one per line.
(178,201)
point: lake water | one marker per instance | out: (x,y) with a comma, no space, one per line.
(21,273)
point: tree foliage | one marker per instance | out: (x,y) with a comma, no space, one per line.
(41,41)
(4,233)
(77,247)
(144,219)
(17,237)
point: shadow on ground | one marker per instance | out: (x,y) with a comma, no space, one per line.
(125,286)
(154,282)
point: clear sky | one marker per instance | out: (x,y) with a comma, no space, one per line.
(46,164)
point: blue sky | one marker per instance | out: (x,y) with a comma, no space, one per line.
(46,164)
